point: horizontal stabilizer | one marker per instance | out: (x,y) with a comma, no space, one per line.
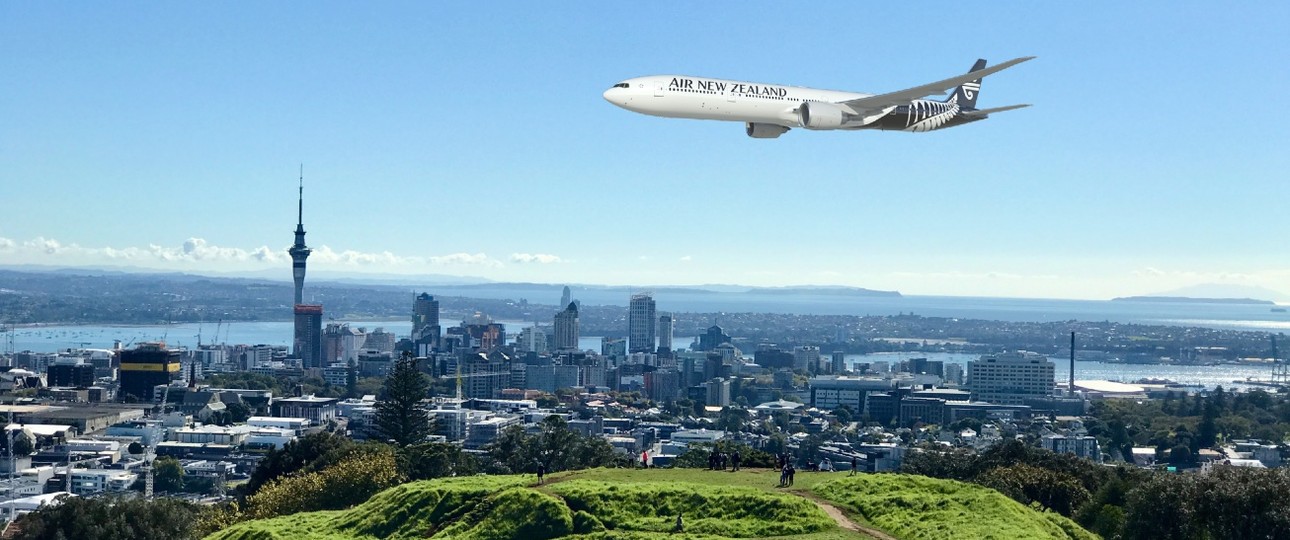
(903,97)
(987,112)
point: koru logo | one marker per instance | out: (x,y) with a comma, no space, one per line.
(969,90)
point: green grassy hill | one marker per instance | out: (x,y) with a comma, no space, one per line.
(643,504)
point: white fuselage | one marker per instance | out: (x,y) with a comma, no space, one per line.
(680,96)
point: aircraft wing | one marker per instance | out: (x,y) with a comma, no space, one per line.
(902,97)
(987,112)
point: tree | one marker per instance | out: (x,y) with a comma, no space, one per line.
(349,482)
(109,518)
(435,460)
(134,448)
(21,444)
(168,474)
(399,414)
(308,453)
(238,412)
(1056,491)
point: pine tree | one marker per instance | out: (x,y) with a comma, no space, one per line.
(399,414)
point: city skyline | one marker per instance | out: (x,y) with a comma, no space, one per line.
(1121,180)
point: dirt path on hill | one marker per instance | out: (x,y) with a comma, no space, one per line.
(841,518)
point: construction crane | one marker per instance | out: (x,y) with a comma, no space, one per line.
(150,454)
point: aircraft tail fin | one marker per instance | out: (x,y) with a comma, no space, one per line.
(965,95)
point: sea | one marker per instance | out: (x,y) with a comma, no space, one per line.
(1253,317)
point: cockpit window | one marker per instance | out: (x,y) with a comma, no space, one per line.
(622,85)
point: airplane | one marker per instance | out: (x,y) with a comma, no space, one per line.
(769,110)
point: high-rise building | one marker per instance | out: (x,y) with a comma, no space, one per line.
(425,315)
(308,342)
(71,373)
(144,367)
(806,358)
(641,324)
(566,328)
(532,339)
(839,363)
(614,348)
(299,251)
(566,297)
(712,338)
(665,334)
(1011,378)
(484,334)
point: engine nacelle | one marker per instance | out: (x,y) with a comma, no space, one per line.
(764,131)
(816,115)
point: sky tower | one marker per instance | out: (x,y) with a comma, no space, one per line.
(299,251)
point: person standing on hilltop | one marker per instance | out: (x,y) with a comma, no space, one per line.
(541,472)
(734,461)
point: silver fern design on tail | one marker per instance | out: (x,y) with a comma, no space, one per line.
(929,115)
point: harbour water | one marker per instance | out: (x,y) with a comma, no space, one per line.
(53,338)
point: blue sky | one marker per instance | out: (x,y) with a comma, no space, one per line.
(471,139)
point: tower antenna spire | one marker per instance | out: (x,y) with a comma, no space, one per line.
(300,210)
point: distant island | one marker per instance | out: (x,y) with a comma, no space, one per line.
(1189,300)
(841,291)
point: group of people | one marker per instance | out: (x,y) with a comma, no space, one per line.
(717,460)
(784,463)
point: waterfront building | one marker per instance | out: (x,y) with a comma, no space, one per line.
(665,328)
(309,332)
(144,367)
(425,315)
(614,348)
(1011,378)
(806,358)
(641,324)
(838,365)
(70,372)
(712,338)
(566,328)
(533,339)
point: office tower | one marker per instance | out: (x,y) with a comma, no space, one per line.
(641,324)
(566,297)
(665,334)
(299,251)
(1011,378)
(484,334)
(806,358)
(839,362)
(712,338)
(308,342)
(532,339)
(566,328)
(143,368)
(613,347)
(70,373)
(425,315)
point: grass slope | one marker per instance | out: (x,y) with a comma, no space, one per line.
(621,504)
(917,507)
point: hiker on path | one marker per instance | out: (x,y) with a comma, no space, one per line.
(734,461)
(541,473)
(791,472)
(855,465)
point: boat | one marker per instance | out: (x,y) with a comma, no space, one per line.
(1278,310)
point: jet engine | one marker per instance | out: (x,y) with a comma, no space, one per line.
(764,131)
(816,115)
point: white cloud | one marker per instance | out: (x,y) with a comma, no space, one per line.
(686,258)
(43,250)
(540,258)
(478,259)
